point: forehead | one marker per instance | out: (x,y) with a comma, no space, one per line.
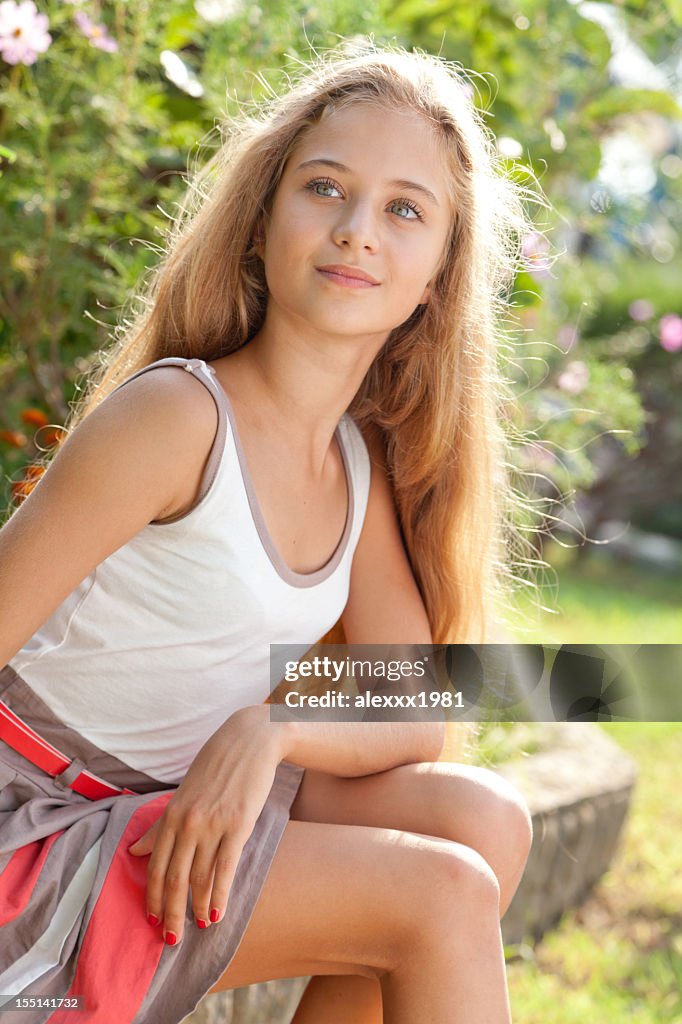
(373,138)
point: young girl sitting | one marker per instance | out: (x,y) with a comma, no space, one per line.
(300,427)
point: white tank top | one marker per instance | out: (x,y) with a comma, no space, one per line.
(170,634)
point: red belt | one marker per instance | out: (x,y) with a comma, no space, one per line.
(22,738)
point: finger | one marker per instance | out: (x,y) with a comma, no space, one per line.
(156,873)
(176,890)
(201,882)
(145,844)
(226,861)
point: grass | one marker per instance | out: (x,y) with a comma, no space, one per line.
(618,957)
(599,600)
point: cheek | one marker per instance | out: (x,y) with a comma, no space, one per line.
(426,258)
(294,222)
(414,269)
(286,258)
(295,242)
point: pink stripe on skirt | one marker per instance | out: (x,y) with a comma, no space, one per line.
(18,879)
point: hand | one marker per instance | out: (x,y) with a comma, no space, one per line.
(199,838)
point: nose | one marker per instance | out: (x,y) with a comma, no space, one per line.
(356,227)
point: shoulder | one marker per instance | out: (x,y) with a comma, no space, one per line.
(167,403)
(162,385)
(166,419)
(118,469)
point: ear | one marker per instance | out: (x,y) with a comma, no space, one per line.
(426,295)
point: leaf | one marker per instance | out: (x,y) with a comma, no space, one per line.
(182,30)
(615,101)
(675,10)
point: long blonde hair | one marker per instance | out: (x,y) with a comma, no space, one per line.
(435,393)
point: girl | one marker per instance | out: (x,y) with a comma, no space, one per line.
(299,427)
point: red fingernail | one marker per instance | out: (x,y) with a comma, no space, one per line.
(153,919)
(171,938)
(214,915)
(201,923)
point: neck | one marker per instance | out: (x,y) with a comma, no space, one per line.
(299,387)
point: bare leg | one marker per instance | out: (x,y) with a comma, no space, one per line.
(461,803)
(417,914)
(340,999)
(456,983)
(466,804)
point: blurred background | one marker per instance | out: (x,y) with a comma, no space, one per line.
(105,103)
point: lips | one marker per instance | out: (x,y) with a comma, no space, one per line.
(342,270)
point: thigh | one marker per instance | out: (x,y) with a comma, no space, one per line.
(463,803)
(341,899)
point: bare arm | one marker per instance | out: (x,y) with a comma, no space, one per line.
(384,607)
(348,748)
(126,464)
(384,604)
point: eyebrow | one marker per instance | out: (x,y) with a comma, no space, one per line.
(397,182)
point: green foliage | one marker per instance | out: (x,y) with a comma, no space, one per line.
(614,101)
(541,70)
(675,9)
(618,955)
(542,78)
(598,600)
(94,146)
(84,126)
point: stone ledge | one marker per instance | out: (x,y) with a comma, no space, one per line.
(270,1002)
(578,792)
(578,789)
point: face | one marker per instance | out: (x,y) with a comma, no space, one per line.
(364,192)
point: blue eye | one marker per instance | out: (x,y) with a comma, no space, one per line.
(327,183)
(407,205)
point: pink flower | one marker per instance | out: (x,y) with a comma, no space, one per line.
(23,32)
(641,309)
(670,332)
(535,249)
(574,377)
(97,34)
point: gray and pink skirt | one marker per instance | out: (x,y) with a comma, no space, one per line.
(72,899)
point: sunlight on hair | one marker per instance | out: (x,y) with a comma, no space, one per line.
(436,395)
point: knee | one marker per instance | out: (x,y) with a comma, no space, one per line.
(455,887)
(516,821)
(466,878)
(445,890)
(503,829)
